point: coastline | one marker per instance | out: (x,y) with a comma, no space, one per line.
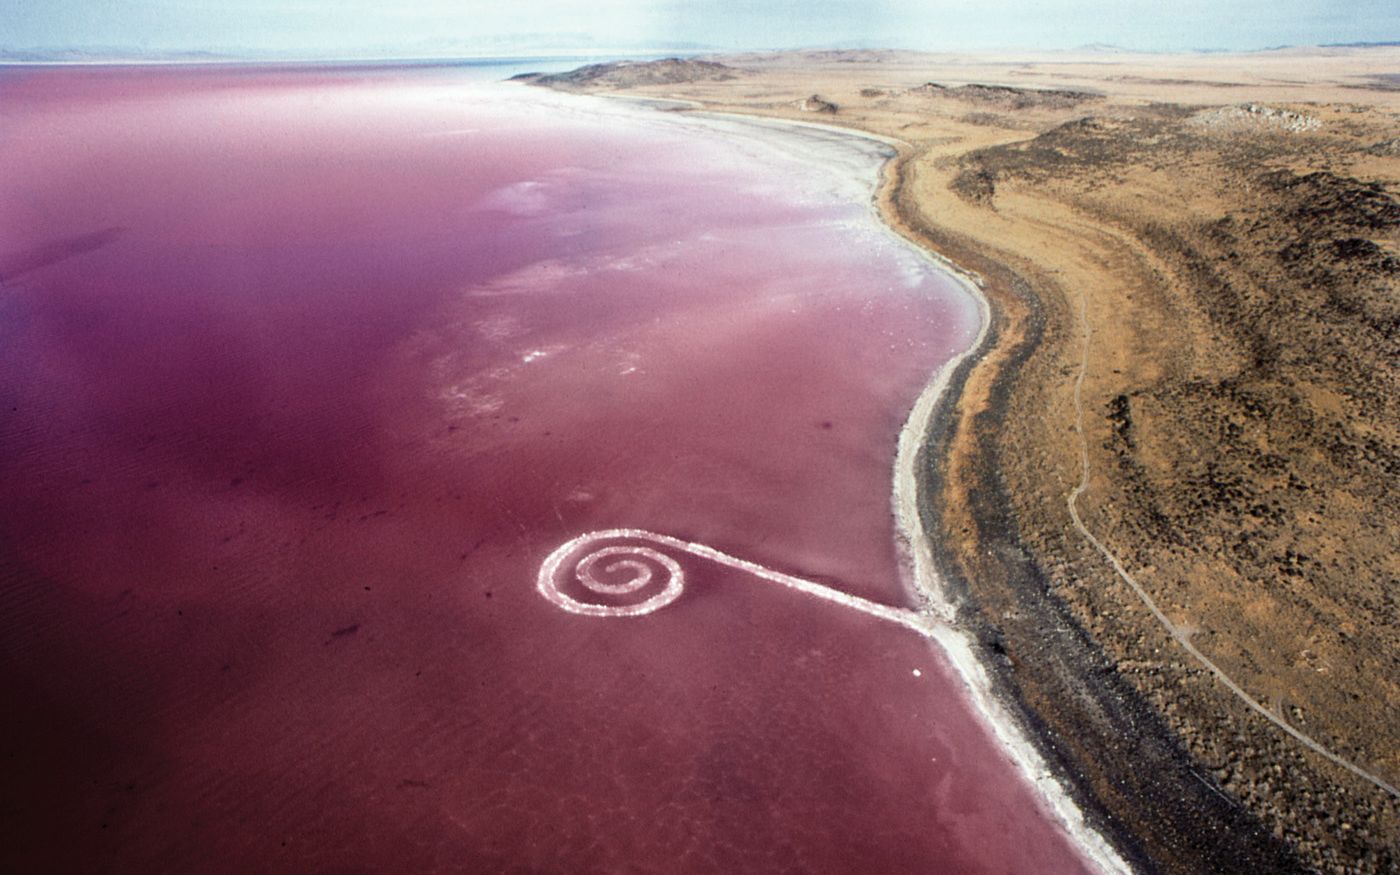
(1183,207)
(935,592)
(1238,459)
(918,449)
(1152,811)
(920,446)
(916,536)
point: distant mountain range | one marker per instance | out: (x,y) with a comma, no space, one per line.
(531,45)
(505,46)
(93,54)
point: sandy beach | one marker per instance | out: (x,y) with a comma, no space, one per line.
(1165,495)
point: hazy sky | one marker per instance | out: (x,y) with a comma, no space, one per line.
(326,27)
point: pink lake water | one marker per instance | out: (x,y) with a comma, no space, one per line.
(305,372)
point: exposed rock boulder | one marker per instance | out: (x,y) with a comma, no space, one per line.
(815,103)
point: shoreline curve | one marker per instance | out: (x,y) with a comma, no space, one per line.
(990,696)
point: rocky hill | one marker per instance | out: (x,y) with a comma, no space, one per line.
(631,74)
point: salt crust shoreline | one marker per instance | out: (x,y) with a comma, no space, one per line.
(958,646)
(928,585)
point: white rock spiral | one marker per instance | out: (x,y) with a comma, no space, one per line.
(634,573)
(617,570)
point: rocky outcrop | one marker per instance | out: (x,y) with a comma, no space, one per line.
(1256,116)
(1007,97)
(630,74)
(815,103)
